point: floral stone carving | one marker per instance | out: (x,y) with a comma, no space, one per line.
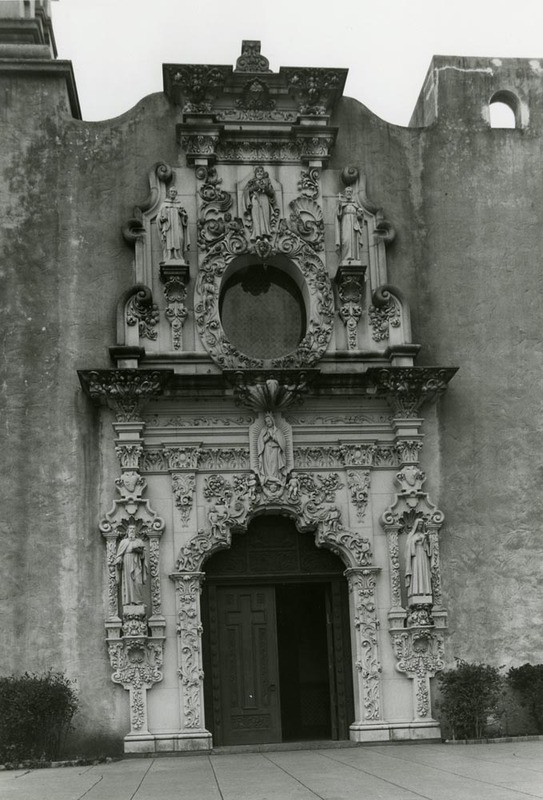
(408,388)
(419,654)
(124,390)
(312,272)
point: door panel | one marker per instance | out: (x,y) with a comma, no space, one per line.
(249,675)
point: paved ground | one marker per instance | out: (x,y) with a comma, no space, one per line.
(507,771)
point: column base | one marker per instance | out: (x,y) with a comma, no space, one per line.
(168,742)
(394,731)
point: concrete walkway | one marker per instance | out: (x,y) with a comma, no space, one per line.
(507,771)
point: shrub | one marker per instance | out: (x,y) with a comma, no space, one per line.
(35,715)
(470,696)
(527,680)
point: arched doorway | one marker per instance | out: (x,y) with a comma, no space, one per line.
(276,643)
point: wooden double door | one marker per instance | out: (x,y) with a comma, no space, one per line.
(277,659)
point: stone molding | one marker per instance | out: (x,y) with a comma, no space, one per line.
(408,388)
(125,391)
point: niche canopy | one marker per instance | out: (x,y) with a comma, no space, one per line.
(223,109)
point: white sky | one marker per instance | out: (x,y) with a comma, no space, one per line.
(118,46)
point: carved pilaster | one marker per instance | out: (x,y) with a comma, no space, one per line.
(188,588)
(362,584)
(359,486)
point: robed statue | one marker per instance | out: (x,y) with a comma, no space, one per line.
(271,450)
(131,567)
(172,223)
(349,227)
(260,203)
(418,573)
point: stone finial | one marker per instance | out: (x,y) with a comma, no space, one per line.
(250,59)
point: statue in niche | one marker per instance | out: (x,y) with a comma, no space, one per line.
(271,449)
(131,567)
(349,226)
(418,574)
(260,204)
(172,223)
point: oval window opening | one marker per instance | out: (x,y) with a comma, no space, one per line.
(262,312)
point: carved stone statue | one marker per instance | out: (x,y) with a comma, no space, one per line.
(131,567)
(418,575)
(260,203)
(349,226)
(172,223)
(271,449)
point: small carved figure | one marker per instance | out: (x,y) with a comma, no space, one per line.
(271,448)
(172,222)
(418,574)
(218,515)
(131,567)
(349,226)
(260,203)
(293,488)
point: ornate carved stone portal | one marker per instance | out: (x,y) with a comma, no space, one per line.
(264,366)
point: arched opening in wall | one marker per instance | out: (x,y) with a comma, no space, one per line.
(262,310)
(504,110)
(276,639)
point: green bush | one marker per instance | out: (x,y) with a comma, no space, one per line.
(527,680)
(471,693)
(35,715)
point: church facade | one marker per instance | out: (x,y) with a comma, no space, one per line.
(271,396)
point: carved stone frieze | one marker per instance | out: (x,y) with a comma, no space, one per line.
(204,421)
(124,390)
(362,585)
(129,455)
(323,457)
(182,457)
(153,460)
(358,455)
(219,458)
(408,388)
(359,486)
(408,450)
(410,479)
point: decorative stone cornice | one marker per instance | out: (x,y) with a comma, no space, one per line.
(125,391)
(408,388)
(296,104)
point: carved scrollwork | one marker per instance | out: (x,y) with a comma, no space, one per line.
(141,311)
(137,663)
(384,313)
(183,485)
(214,211)
(251,59)
(189,630)
(419,654)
